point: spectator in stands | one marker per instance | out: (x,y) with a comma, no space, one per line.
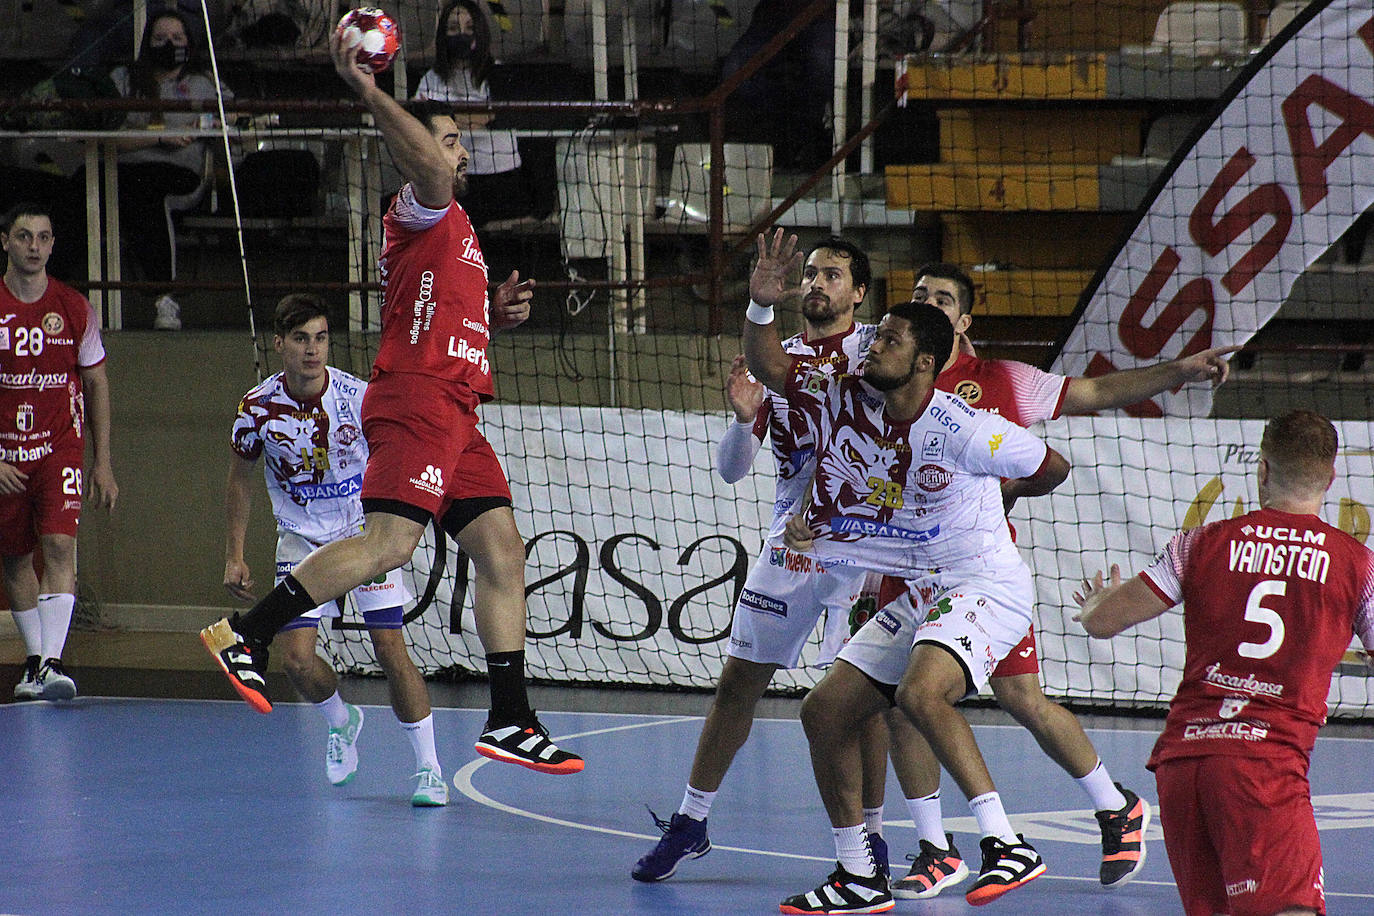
(152,168)
(497,187)
(785,102)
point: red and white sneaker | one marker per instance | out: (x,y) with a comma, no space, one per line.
(1006,866)
(527,744)
(932,871)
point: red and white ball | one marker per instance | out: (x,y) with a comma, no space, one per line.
(376,34)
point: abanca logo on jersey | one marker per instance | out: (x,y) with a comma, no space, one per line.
(339,488)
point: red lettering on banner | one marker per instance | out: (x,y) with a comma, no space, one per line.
(1147,341)
(1213,236)
(1311,159)
(1100,365)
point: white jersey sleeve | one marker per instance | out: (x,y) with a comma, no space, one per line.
(735,454)
(412,215)
(995,446)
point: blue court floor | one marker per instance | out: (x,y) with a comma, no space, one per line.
(128,806)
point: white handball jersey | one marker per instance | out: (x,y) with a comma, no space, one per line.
(909,499)
(792,439)
(315,454)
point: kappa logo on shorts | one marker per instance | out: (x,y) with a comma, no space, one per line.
(885,620)
(757,602)
(431,480)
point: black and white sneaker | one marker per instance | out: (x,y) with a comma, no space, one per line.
(843,892)
(527,744)
(245,668)
(28,687)
(54,681)
(1006,866)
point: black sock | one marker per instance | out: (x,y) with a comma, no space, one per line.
(278,607)
(509,704)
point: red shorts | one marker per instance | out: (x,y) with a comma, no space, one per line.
(424,448)
(51,503)
(1022,659)
(1240,833)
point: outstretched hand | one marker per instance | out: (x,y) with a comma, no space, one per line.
(778,260)
(1094,586)
(743,392)
(510,304)
(1207,365)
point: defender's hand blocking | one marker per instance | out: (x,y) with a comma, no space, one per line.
(743,392)
(510,304)
(1093,588)
(778,261)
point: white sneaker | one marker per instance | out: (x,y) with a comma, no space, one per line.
(28,687)
(432,792)
(341,754)
(168,314)
(54,682)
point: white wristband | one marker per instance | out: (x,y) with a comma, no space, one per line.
(759,314)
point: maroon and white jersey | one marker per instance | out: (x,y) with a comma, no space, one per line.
(1270,601)
(1018,391)
(435,311)
(314,454)
(907,499)
(43,345)
(792,439)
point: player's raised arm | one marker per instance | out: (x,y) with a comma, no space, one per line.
(768,285)
(413,148)
(1108,607)
(737,448)
(1131,386)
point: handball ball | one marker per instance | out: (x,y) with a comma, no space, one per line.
(380,36)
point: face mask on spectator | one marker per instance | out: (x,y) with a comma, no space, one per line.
(165,57)
(460,47)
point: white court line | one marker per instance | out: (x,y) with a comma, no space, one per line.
(462,781)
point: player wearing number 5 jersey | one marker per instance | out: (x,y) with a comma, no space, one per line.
(52,383)
(1270,601)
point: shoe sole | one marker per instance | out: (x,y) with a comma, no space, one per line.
(566,768)
(25,695)
(216,638)
(1140,863)
(650,879)
(64,689)
(875,908)
(417,801)
(908,893)
(985,895)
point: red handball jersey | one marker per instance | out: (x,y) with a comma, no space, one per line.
(1018,391)
(435,313)
(1270,601)
(42,345)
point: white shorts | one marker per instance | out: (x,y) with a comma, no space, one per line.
(978,618)
(784,596)
(380,594)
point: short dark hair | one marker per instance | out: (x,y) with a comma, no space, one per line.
(426,110)
(931,328)
(24,208)
(295,309)
(859,269)
(1300,447)
(940,270)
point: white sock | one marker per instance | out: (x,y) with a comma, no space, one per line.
(1100,788)
(31,628)
(992,819)
(334,710)
(851,849)
(421,735)
(873,820)
(928,818)
(55,612)
(696,804)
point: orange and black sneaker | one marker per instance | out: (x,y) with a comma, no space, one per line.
(527,744)
(1006,866)
(932,871)
(244,667)
(1123,839)
(843,892)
